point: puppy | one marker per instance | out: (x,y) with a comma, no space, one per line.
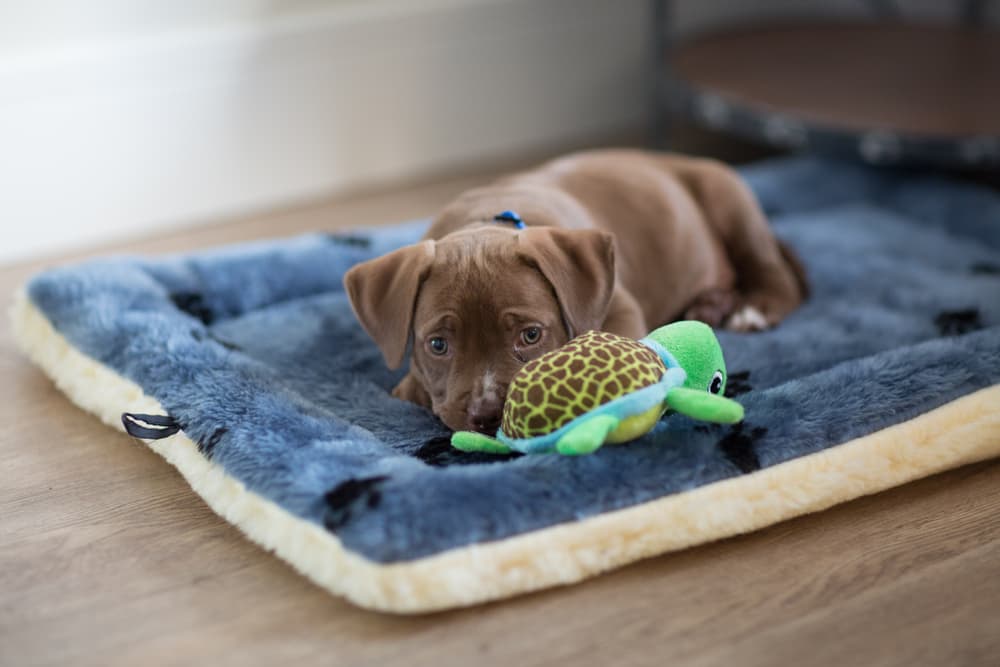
(616,240)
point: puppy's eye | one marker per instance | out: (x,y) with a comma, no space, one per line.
(531,335)
(715,386)
(438,346)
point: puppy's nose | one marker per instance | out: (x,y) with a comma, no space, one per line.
(485,417)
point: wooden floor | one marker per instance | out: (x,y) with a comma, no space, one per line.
(107,557)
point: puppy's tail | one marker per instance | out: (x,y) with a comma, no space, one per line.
(797,268)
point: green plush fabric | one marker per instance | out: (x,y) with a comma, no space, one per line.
(694,346)
(588,436)
(704,406)
(470,441)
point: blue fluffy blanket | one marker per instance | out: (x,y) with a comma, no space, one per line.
(254,353)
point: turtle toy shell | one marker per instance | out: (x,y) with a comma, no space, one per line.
(591,370)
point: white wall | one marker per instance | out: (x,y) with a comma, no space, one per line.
(170,112)
(33,27)
(120,117)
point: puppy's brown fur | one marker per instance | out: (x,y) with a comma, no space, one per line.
(616,240)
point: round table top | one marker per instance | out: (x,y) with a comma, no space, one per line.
(934,82)
(922,79)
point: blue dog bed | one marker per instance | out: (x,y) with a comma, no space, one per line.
(246,369)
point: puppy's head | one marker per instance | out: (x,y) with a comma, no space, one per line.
(477,305)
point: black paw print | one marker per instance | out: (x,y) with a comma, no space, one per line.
(738,446)
(194,305)
(738,383)
(347,496)
(958,322)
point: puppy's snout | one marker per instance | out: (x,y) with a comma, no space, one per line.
(484,416)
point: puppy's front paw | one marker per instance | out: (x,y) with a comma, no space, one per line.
(747,318)
(409,389)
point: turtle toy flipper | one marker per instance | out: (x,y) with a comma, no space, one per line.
(602,388)
(588,436)
(704,406)
(469,441)
(584,438)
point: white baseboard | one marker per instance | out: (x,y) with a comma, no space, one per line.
(134,137)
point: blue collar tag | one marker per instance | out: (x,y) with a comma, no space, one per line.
(510,218)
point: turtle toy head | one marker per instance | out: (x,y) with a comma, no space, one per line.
(695,348)
(694,345)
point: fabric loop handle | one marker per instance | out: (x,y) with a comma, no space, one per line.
(150,427)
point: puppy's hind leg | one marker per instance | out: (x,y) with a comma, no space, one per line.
(713,306)
(770,280)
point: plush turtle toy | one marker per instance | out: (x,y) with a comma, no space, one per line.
(603,388)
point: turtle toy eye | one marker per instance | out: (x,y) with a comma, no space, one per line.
(438,346)
(715,386)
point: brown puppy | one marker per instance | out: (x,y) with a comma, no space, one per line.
(617,240)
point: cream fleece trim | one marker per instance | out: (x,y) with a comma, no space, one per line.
(960,432)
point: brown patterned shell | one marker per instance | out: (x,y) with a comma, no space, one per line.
(591,370)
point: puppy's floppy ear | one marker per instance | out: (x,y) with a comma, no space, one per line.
(580,265)
(383,292)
